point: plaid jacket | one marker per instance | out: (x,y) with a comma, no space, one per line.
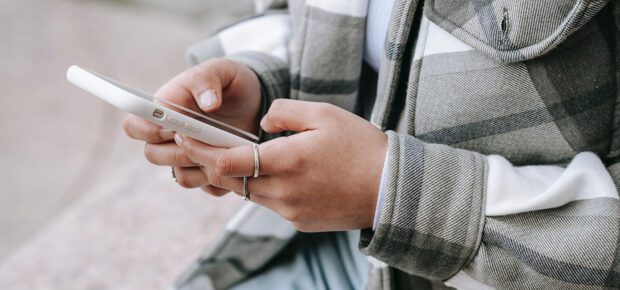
(534,82)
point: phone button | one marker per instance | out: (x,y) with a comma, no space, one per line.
(192,128)
(175,121)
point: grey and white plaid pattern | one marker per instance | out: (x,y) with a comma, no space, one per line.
(319,76)
(535,81)
(532,27)
(433,210)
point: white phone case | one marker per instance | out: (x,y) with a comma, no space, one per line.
(142,105)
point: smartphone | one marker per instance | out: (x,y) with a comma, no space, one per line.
(160,111)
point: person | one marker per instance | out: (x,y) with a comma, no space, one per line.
(464,144)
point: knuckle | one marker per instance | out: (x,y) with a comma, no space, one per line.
(178,156)
(214,180)
(189,150)
(196,74)
(223,165)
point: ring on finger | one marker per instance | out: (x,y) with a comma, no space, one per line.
(246,192)
(256,160)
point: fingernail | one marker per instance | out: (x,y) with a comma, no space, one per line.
(208,99)
(178,139)
(166,134)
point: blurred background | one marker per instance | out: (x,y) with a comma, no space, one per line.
(80,208)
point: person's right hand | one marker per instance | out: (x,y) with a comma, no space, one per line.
(226,90)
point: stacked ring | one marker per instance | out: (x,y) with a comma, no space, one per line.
(246,192)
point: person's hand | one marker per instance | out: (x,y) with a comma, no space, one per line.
(324,178)
(227,90)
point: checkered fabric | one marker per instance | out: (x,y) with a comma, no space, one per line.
(535,81)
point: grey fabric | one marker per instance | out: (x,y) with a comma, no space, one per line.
(273,73)
(393,67)
(533,239)
(231,259)
(577,83)
(430,189)
(615,138)
(314,262)
(461,124)
(532,27)
(321,77)
(263,5)
(538,86)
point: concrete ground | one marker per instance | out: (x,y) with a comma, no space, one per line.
(79,206)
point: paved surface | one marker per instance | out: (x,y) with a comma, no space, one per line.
(79,207)
(121,235)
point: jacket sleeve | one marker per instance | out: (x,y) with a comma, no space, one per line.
(447,210)
(476,221)
(272,72)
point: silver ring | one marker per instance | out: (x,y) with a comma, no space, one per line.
(246,192)
(174,176)
(256,160)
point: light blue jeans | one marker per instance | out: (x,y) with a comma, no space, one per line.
(315,262)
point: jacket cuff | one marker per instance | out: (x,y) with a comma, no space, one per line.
(432,215)
(274,76)
(381,194)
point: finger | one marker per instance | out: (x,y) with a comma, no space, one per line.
(140,129)
(256,186)
(203,82)
(293,115)
(237,161)
(190,177)
(215,191)
(167,154)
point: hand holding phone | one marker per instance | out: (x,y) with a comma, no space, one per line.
(227,90)
(230,91)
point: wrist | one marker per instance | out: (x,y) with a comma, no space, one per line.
(378,179)
(381,192)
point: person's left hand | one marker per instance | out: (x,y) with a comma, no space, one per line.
(324,178)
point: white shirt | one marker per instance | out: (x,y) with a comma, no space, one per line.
(377,21)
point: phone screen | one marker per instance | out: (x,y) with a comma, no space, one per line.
(185,111)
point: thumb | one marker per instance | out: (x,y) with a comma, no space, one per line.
(206,82)
(292,115)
